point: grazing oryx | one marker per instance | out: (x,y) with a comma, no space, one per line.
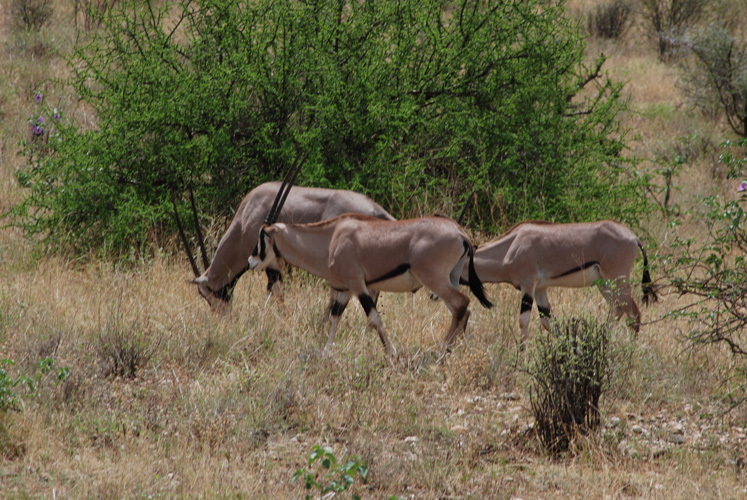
(533,256)
(303,205)
(361,256)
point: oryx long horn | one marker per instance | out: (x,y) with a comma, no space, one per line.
(464,208)
(184,236)
(289,176)
(200,239)
(290,185)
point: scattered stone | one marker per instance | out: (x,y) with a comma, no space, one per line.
(637,429)
(411,439)
(676,439)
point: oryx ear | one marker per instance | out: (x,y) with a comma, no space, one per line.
(202,280)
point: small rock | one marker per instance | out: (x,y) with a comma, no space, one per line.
(676,439)
(411,439)
(637,429)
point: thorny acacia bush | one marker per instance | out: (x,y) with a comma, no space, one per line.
(413,102)
(571,367)
(611,19)
(713,268)
(670,20)
(716,78)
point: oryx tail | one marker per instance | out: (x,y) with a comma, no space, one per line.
(649,291)
(475,285)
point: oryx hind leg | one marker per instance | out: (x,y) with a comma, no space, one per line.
(543,306)
(447,290)
(619,296)
(338,302)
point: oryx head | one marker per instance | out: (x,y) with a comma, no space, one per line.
(265,253)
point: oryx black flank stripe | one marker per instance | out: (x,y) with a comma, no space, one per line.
(401,269)
(578,269)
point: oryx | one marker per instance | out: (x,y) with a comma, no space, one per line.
(303,205)
(362,256)
(533,256)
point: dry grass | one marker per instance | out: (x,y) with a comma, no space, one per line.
(230,405)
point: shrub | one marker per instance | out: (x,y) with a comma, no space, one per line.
(396,99)
(31,15)
(335,478)
(717,78)
(122,347)
(571,369)
(713,268)
(611,19)
(669,20)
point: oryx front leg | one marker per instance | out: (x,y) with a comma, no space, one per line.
(374,321)
(340,301)
(274,283)
(525,313)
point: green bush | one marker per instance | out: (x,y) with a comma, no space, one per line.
(571,369)
(412,102)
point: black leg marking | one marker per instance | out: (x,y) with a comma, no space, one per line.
(526,303)
(337,308)
(367,303)
(544,312)
(273,276)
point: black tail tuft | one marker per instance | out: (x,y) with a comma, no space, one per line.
(649,291)
(475,284)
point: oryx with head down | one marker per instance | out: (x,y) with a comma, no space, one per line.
(303,205)
(362,256)
(533,256)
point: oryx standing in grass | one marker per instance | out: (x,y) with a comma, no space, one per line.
(533,256)
(362,256)
(303,205)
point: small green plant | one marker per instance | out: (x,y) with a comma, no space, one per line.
(10,398)
(571,370)
(335,477)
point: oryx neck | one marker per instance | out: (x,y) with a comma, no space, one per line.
(304,246)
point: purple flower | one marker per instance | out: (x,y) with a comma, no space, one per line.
(742,186)
(56,114)
(37,129)
(38,97)
(40,120)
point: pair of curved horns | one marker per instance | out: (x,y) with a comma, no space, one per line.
(285,187)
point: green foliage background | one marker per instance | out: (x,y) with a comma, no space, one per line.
(416,103)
